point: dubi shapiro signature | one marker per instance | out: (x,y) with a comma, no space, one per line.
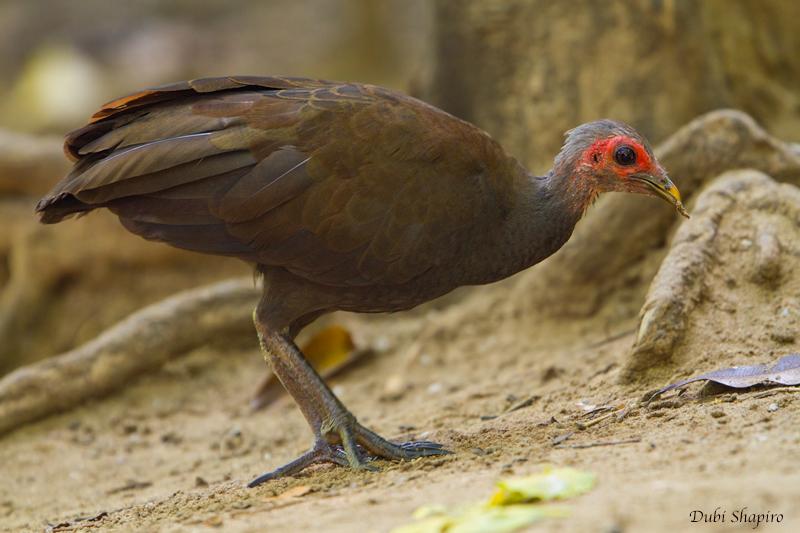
(739,516)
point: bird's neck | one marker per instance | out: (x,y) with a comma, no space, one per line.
(540,222)
(572,194)
(549,208)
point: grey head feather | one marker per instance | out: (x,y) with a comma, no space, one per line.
(580,138)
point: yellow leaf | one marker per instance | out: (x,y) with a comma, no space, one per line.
(550,484)
(486,519)
(514,505)
(329,349)
(480,518)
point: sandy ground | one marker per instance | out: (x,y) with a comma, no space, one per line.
(174,451)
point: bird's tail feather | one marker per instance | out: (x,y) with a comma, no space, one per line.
(53,209)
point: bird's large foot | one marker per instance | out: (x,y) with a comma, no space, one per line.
(356,447)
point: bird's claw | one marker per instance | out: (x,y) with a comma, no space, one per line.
(322,452)
(367,447)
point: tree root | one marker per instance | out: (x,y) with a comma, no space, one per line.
(141,342)
(754,201)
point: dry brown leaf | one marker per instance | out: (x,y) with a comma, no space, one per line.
(785,372)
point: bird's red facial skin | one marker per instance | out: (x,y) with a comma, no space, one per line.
(600,156)
(610,175)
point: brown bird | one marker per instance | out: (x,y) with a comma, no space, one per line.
(346,197)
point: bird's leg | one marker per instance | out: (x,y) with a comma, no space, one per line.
(338,437)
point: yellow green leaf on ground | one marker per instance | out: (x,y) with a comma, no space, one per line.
(550,484)
(517,502)
(480,518)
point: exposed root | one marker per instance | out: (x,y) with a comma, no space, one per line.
(754,201)
(141,342)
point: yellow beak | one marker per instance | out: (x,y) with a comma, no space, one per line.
(663,187)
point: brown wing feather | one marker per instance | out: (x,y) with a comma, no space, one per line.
(342,184)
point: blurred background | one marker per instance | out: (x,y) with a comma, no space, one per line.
(60,58)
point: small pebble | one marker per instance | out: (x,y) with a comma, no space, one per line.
(171,437)
(783,336)
(434,388)
(232,440)
(382,344)
(772,407)
(717,413)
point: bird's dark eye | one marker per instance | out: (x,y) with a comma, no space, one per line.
(625,155)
